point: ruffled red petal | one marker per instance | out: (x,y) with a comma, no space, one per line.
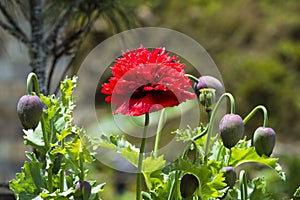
(146,81)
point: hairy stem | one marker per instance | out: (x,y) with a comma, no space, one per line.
(141,156)
(243,185)
(32,77)
(193,78)
(213,115)
(158,133)
(62,172)
(265,113)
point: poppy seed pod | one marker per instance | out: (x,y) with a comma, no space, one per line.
(232,129)
(264,140)
(188,185)
(82,190)
(30,109)
(209,82)
(230,176)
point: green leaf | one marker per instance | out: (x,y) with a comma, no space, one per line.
(120,145)
(297,193)
(67,86)
(30,182)
(151,164)
(257,189)
(162,191)
(240,156)
(34,138)
(152,171)
(210,184)
(96,190)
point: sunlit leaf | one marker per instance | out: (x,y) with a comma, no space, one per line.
(240,156)
(210,184)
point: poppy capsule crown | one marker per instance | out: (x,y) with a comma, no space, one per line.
(231,129)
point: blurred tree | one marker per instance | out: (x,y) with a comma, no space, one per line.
(257,40)
(53,30)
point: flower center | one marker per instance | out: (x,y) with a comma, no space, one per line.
(144,90)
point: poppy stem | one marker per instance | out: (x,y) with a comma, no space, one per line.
(193,78)
(158,132)
(212,119)
(141,156)
(265,113)
(32,77)
(243,185)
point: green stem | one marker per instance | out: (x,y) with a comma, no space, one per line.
(228,161)
(209,112)
(49,173)
(158,132)
(32,77)
(141,156)
(200,135)
(81,178)
(212,119)
(265,113)
(193,78)
(45,135)
(221,149)
(62,172)
(176,184)
(243,185)
(171,193)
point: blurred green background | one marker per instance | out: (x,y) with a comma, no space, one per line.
(255,44)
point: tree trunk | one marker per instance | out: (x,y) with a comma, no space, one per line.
(37,52)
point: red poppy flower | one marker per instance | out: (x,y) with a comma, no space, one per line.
(145,81)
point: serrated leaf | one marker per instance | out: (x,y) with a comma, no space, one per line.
(63,134)
(152,171)
(66,88)
(120,145)
(30,182)
(34,138)
(257,189)
(76,148)
(240,156)
(96,190)
(151,164)
(297,193)
(210,184)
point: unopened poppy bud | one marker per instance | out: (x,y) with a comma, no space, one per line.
(82,190)
(209,82)
(188,185)
(230,176)
(231,129)
(30,109)
(264,140)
